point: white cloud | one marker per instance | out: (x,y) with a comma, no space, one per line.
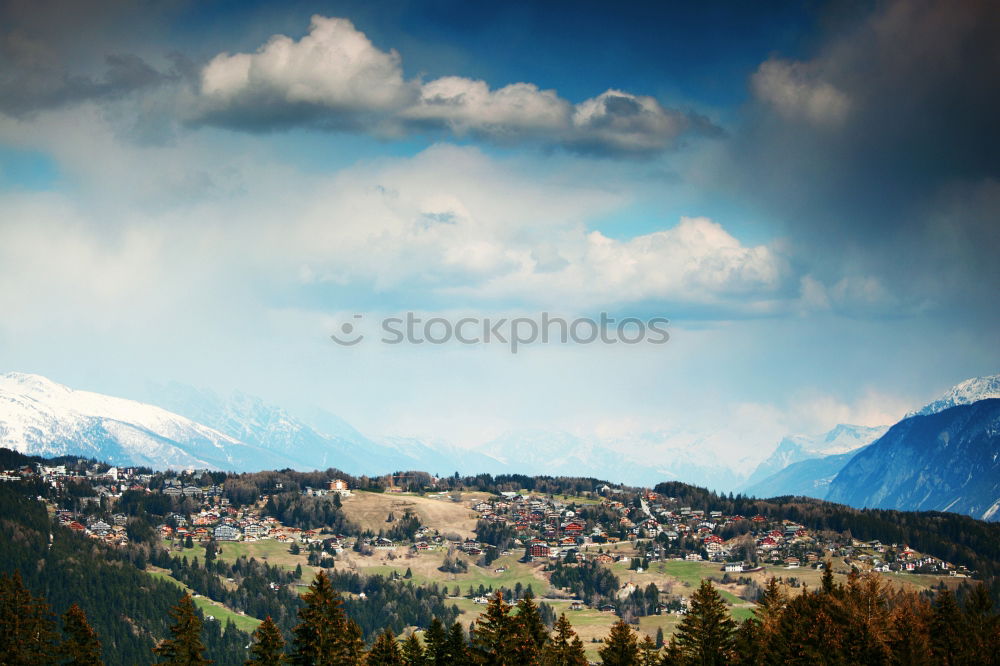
(446,222)
(464,105)
(797,91)
(335,66)
(335,77)
(696,261)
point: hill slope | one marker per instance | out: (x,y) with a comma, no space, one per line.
(944,461)
(806,478)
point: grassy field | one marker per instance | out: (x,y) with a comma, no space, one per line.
(211,608)
(424,569)
(370,510)
(576,499)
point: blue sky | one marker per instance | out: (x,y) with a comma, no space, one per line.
(202,192)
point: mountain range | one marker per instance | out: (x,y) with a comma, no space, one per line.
(936,461)
(943,457)
(182,427)
(838,442)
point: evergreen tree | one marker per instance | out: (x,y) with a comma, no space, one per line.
(81,646)
(706,634)
(808,632)
(413,651)
(750,642)
(436,644)
(659,638)
(268,647)
(493,640)
(621,647)
(564,648)
(910,636)
(983,625)
(769,608)
(184,648)
(27,630)
(649,654)
(864,614)
(673,655)
(325,636)
(947,635)
(529,622)
(458,651)
(385,651)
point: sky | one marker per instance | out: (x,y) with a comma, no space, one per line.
(205,192)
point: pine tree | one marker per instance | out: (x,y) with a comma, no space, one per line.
(268,647)
(27,630)
(828,585)
(564,648)
(749,642)
(706,634)
(910,634)
(435,642)
(865,617)
(530,631)
(649,654)
(385,651)
(769,608)
(325,636)
(81,646)
(621,647)
(413,651)
(673,656)
(458,651)
(184,648)
(947,635)
(983,625)
(808,632)
(659,637)
(493,640)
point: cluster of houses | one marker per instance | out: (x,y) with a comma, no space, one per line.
(113,533)
(218,520)
(544,527)
(549,529)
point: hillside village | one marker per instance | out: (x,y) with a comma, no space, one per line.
(608,525)
(247,546)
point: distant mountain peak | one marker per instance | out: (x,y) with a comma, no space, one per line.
(964,393)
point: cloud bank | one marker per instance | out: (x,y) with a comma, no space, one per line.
(335,78)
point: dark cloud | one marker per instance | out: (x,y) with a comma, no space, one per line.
(48,57)
(874,151)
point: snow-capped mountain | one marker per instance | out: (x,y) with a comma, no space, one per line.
(947,460)
(643,459)
(40,417)
(806,478)
(965,393)
(316,441)
(793,449)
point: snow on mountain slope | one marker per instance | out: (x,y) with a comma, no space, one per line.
(316,440)
(943,461)
(965,393)
(794,449)
(643,459)
(41,417)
